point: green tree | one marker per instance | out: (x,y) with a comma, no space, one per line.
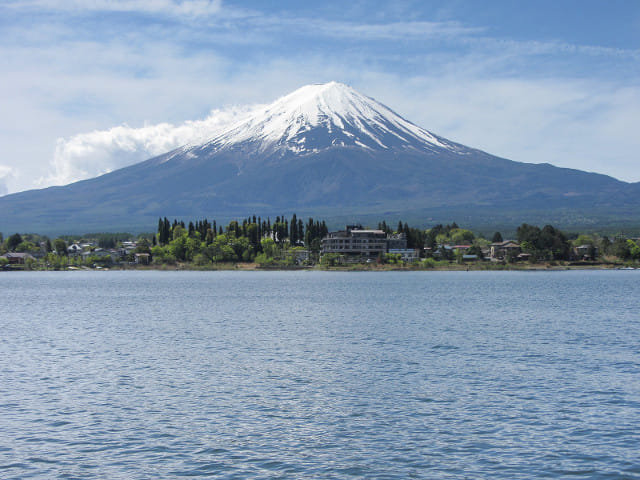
(221,249)
(30,263)
(293,232)
(162,255)
(178,246)
(60,247)
(331,259)
(269,247)
(193,247)
(460,236)
(27,247)
(497,238)
(263,260)
(13,241)
(442,239)
(98,260)
(178,232)
(621,248)
(316,245)
(583,239)
(300,230)
(545,243)
(392,258)
(143,246)
(253,236)
(232,228)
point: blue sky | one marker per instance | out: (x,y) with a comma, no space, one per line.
(87,86)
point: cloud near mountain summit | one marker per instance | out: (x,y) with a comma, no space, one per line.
(5,172)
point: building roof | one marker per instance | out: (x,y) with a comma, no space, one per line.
(18,255)
(506,243)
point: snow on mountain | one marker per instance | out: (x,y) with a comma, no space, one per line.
(317,117)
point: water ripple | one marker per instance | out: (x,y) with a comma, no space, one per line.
(295,375)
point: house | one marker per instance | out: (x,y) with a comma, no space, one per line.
(125,251)
(98,252)
(445,251)
(586,252)
(18,258)
(142,258)
(300,255)
(407,254)
(506,249)
(74,249)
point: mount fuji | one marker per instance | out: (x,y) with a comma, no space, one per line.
(325,150)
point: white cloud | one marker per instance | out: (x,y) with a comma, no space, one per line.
(88,155)
(190,8)
(365,31)
(5,173)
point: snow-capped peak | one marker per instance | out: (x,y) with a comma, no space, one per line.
(320,116)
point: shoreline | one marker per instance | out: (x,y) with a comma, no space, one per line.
(247,267)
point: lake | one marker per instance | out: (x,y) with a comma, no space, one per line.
(332,375)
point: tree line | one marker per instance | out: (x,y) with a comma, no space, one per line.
(204,241)
(285,241)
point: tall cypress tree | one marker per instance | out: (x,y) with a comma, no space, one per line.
(300,230)
(167,231)
(293,229)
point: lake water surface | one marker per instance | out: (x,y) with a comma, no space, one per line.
(391,375)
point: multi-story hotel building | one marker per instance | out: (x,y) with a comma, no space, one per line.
(357,241)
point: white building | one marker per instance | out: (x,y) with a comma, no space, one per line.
(355,241)
(408,254)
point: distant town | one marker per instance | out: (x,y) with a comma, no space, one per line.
(294,243)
